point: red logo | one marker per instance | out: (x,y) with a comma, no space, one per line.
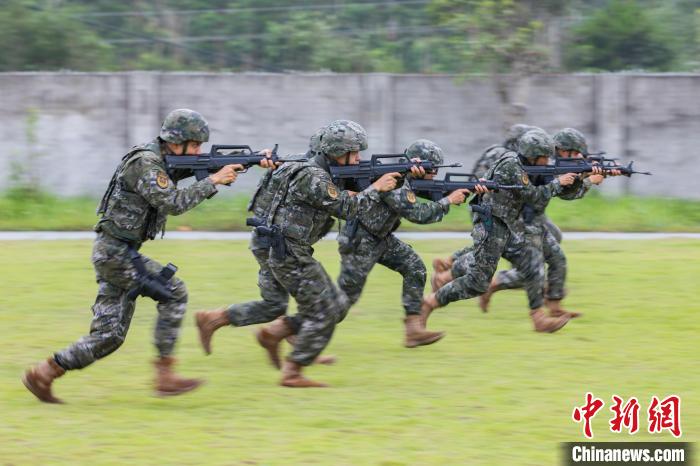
(661,415)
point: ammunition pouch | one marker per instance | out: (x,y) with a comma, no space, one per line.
(155,286)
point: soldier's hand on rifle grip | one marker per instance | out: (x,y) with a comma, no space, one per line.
(267,162)
(567,179)
(387,182)
(458,196)
(226,175)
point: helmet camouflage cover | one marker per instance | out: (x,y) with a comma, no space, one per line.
(535,143)
(315,141)
(183,125)
(571,139)
(425,150)
(341,137)
(514,133)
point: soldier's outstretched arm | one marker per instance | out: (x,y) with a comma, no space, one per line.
(404,202)
(513,174)
(160,191)
(315,187)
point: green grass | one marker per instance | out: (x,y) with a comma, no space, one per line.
(493,392)
(228,213)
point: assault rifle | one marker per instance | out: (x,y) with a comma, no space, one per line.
(218,157)
(368,171)
(437,189)
(564,165)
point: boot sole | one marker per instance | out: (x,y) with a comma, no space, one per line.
(557,328)
(429,341)
(304,385)
(35,392)
(178,392)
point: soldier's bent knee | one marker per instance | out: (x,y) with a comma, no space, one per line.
(179,290)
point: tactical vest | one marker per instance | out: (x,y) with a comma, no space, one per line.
(297,220)
(261,201)
(504,204)
(264,194)
(126,214)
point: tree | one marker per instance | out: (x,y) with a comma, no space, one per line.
(500,37)
(43,38)
(621,36)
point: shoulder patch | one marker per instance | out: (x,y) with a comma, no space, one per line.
(162,180)
(526,179)
(332,192)
(411,197)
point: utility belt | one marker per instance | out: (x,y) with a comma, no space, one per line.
(272,236)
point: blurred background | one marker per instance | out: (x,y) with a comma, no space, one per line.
(82,81)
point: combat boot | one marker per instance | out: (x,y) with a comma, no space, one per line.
(485,298)
(168,383)
(320,359)
(207,323)
(545,323)
(442,265)
(38,380)
(417,335)
(292,377)
(428,305)
(440,279)
(555,310)
(270,337)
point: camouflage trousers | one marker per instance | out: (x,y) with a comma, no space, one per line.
(556,266)
(274,297)
(393,254)
(319,301)
(113,310)
(472,272)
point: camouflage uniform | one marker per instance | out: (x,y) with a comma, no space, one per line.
(303,212)
(503,233)
(134,209)
(275,298)
(539,229)
(369,239)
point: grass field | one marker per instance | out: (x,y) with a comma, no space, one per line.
(33,211)
(492,392)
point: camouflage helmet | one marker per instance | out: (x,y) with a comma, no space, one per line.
(535,143)
(341,137)
(183,125)
(514,133)
(315,141)
(425,150)
(571,139)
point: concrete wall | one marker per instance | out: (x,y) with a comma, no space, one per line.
(85,122)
